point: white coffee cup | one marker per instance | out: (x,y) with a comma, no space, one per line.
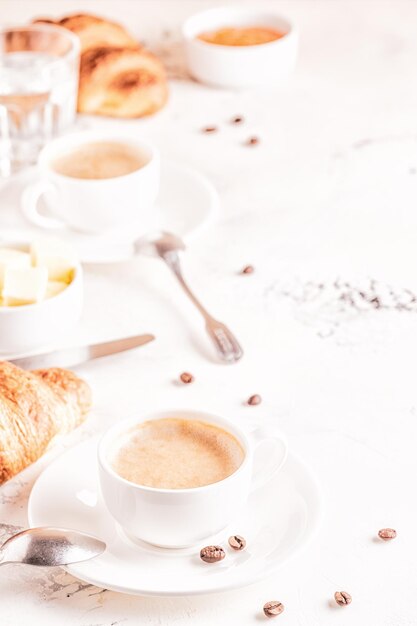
(94,205)
(176,518)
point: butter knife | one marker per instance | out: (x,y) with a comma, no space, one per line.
(69,357)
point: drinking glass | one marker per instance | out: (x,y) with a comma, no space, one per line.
(38,90)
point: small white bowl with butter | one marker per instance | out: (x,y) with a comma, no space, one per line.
(41,294)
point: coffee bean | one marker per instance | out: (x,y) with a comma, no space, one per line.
(237,542)
(253,141)
(212,554)
(248,269)
(273,608)
(209,129)
(343,598)
(387,533)
(187,378)
(254,400)
(238,119)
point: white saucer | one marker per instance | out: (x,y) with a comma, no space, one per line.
(186,202)
(279,520)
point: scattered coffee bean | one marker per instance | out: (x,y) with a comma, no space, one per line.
(273,608)
(186,378)
(237,542)
(253,141)
(254,400)
(343,598)
(248,269)
(209,129)
(387,533)
(212,554)
(238,119)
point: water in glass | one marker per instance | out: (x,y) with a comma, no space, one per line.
(38,91)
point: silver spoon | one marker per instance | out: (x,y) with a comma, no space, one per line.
(50,547)
(166,246)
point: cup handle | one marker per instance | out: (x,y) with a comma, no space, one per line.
(29,205)
(266,465)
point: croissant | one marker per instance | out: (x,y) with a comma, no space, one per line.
(118,77)
(94,32)
(34,408)
(121,82)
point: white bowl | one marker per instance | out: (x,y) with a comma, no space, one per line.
(24,328)
(239,66)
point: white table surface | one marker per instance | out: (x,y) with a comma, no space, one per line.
(327,198)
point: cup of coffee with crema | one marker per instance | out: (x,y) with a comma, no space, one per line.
(93,182)
(174,478)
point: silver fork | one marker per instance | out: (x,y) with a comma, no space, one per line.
(166,246)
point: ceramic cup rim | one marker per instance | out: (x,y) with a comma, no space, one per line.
(75,140)
(210,418)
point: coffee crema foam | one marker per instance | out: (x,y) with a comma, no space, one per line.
(98,160)
(175,453)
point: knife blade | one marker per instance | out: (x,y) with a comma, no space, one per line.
(69,357)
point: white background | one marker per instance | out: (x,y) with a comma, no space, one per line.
(330,193)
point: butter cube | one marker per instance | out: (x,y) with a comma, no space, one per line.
(12,259)
(57,256)
(24,285)
(54,287)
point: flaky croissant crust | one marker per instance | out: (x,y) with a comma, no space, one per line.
(34,408)
(118,76)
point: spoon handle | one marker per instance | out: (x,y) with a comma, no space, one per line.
(227,345)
